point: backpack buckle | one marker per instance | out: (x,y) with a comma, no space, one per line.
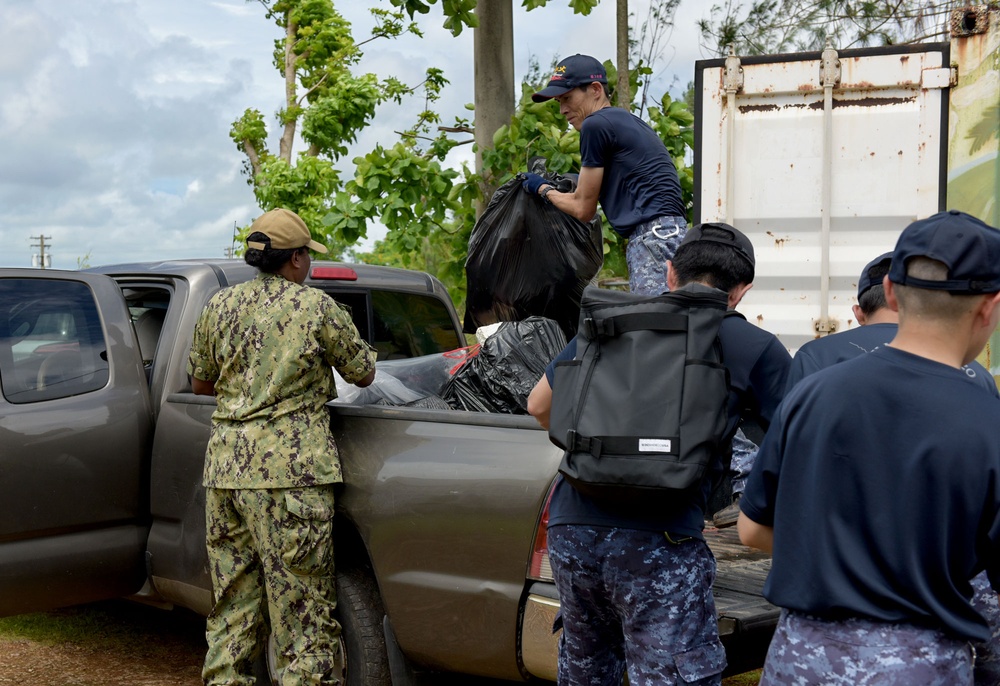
(599,328)
(575,443)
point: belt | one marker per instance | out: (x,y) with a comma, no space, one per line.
(661,227)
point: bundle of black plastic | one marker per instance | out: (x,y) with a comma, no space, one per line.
(509,364)
(526,258)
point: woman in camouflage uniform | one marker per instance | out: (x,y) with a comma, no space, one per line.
(265,349)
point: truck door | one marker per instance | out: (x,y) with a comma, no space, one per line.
(821,159)
(75,426)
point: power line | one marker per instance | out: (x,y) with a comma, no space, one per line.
(41,259)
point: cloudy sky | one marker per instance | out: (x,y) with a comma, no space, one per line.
(115,114)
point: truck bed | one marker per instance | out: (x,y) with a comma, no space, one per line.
(746,619)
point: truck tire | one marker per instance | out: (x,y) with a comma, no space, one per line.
(359,611)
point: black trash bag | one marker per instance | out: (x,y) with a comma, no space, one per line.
(526,258)
(509,364)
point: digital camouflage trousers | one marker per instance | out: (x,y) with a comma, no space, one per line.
(859,652)
(270,553)
(647,252)
(634,599)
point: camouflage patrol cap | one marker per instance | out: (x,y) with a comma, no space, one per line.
(286,230)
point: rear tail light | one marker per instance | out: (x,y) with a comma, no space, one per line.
(539,568)
(334,274)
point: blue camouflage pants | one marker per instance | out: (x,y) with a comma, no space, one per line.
(806,651)
(744,455)
(634,598)
(984,599)
(270,554)
(649,247)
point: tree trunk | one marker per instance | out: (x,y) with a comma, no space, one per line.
(621,32)
(288,135)
(493,47)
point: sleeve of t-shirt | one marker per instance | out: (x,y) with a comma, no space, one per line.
(568,353)
(802,366)
(346,351)
(757,501)
(596,141)
(201,360)
(768,378)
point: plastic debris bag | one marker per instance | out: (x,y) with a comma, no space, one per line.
(526,258)
(411,382)
(509,364)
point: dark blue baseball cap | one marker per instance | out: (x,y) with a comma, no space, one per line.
(868,279)
(969,247)
(723,234)
(572,72)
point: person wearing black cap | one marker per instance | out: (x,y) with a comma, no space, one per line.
(625,165)
(877,487)
(635,587)
(266,350)
(877,325)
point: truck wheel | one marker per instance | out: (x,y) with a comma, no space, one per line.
(359,611)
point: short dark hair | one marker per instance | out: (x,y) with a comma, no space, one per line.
(715,264)
(873,299)
(268,260)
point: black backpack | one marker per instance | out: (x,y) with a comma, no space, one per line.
(643,409)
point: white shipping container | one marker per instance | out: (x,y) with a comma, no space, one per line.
(821,159)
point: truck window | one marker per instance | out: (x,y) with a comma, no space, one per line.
(411,325)
(52,343)
(147,306)
(402,324)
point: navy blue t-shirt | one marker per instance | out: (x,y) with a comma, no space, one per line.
(881,478)
(640,180)
(757,365)
(846,345)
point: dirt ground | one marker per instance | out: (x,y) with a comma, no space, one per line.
(104,644)
(119,643)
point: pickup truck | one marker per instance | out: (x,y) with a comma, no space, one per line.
(440,536)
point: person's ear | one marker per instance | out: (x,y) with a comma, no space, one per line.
(859,315)
(890,293)
(987,311)
(671,278)
(737,293)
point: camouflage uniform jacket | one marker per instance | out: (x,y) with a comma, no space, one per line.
(269,344)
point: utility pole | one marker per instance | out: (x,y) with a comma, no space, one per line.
(42,260)
(229,252)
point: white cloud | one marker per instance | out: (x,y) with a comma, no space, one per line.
(116,113)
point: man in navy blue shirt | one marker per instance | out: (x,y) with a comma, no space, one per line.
(878,324)
(625,165)
(635,586)
(877,487)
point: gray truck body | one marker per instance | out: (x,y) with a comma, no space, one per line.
(101,492)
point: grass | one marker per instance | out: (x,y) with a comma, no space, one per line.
(107,625)
(748,679)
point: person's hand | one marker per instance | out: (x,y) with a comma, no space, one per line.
(532,182)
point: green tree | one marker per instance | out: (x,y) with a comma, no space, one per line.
(770,26)
(459,14)
(326,104)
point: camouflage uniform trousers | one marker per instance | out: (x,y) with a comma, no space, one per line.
(806,651)
(650,246)
(270,553)
(634,598)
(984,599)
